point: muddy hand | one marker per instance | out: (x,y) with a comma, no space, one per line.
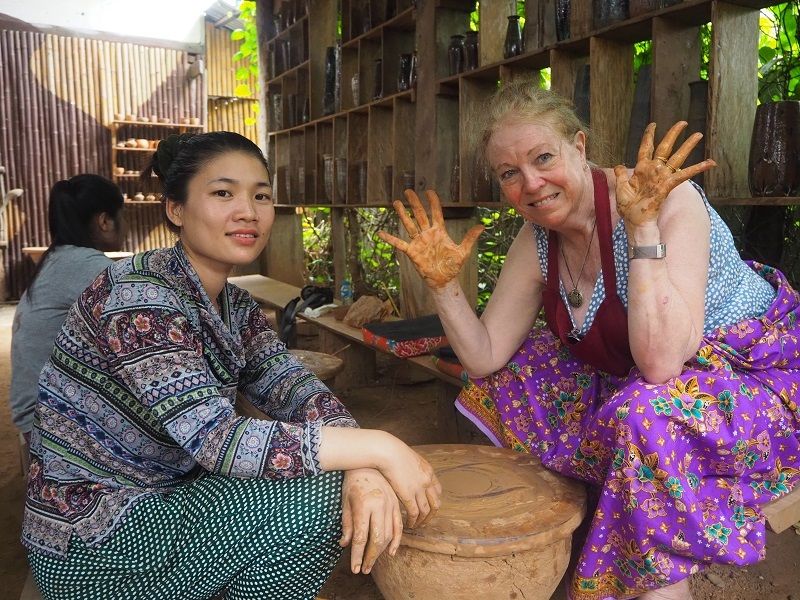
(371,518)
(436,256)
(657,173)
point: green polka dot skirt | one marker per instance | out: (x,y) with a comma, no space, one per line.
(238,539)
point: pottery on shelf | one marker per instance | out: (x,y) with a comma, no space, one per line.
(563,11)
(774,166)
(404,72)
(455,54)
(377,79)
(471,50)
(513,42)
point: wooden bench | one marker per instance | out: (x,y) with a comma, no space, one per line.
(339,339)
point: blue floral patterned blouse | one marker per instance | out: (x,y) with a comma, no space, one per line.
(137,398)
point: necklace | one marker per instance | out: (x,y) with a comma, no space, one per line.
(575,298)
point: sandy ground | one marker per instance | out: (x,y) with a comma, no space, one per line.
(408,410)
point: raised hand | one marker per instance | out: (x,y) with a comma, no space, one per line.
(437,258)
(656,174)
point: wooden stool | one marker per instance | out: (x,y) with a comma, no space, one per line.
(504,530)
(324,366)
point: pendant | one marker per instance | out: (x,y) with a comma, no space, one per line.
(575,298)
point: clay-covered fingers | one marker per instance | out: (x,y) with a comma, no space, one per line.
(433,499)
(399,244)
(688,172)
(397,528)
(471,237)
(648,141)
(419,211)
(378,538)
(664,149)
(408,223)
(436,207)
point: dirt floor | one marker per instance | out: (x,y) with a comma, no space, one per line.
(404,404)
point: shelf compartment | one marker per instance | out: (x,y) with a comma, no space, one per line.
(403,21)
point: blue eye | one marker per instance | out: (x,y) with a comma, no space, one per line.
(506,175)
(545,157)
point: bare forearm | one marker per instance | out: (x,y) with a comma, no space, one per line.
(345,448)
(465,331)
(662,331)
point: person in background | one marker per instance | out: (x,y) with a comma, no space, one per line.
(85,219)
(144,481)
(666,375)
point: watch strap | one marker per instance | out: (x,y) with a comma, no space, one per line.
(656,251)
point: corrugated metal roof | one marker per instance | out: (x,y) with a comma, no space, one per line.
(224,14)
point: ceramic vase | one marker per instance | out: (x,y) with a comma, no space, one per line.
(455,54)
(341,179)
(513,43)
(471,50)
(377,79)
(328,177)
(329,94)
(563,10)
(640,114)
(606,12)
(581,94)
(774,168)
(697,119)
(404,73)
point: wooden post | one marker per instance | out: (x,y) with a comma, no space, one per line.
(676,63)
(733,89)
(611,84)
(283,257)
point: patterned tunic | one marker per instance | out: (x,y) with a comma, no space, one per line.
(137,400)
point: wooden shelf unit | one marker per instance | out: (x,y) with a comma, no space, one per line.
(430,130)
(136,159)
(375,132)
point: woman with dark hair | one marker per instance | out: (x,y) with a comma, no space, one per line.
(85,221)
(144,481)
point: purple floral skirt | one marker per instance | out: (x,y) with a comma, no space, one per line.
(680,468)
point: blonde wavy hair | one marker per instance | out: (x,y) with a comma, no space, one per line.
(523,101)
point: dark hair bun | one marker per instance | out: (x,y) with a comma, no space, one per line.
(167,150)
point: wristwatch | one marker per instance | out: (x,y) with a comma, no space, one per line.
(657,251)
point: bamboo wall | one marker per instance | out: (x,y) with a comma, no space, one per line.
(58,94)
(226,112)
(220,68)
(230,114)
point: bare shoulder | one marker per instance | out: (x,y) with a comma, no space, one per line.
(685,204)
(523,255)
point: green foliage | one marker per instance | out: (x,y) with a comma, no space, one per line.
(316,226)
(642,55)
(779,68)
(377,260)
(502,225)
(248,49)
(705,50)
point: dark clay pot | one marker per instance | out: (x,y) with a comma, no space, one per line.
(607,12)
(562,19)
(774,168)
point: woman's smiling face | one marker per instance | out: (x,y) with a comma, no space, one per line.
(542,174)
(228,213)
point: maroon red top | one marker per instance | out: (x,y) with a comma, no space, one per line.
(605,345)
